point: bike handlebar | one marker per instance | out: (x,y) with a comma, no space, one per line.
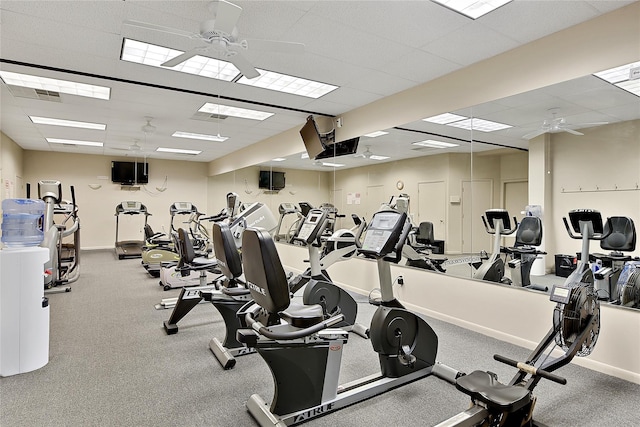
(530,369)
(292,335)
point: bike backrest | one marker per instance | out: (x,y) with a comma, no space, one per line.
(224,246)
(148,232)
(529,232)
(263,271)
(620,234)
(187,254)
(425,233)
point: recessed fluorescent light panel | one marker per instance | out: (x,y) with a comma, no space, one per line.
(472,8)
(621,77)
(226,110)
(304,156)
(154,55)
(178,151)
(332,165)
(479,125)
(376,157)
(375,134)
(205,137)
(443,119)
(74,142)
(431,143)
(288,84)
(55,85)
(68,123)
(278,159)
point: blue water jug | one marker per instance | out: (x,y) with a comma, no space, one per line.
(22,222)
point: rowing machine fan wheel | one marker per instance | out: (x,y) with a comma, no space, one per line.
(629,289)
(572,318)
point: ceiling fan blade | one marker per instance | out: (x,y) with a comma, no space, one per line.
(276,46)
(245,67)
(533,134)
(227,16)
(155,27)
(571,131)
(181,58)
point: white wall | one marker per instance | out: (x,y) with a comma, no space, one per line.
(517,316)
(301,186)
(498,166)
(11,172)
(186,181)
(600,170)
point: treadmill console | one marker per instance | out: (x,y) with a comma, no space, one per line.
(383,233)
(312,226)
(131,206)
(182,208)
(287,208)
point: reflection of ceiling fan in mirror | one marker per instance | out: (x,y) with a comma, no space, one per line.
(559,124)
(221,36)
(366,154)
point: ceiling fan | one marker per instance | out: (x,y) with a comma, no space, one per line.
(366,154)
(136,148)
(220,34)
(559,124)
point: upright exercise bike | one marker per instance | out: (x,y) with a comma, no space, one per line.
(497,223)
(304,351)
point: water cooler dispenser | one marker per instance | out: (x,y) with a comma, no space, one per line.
(24,310)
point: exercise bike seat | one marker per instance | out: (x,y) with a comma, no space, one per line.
(485,388)
(302,316)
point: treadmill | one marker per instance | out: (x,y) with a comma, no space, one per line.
(130,248)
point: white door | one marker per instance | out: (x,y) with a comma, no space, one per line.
(515,199)
(375,197)
(432,207)
(477,197)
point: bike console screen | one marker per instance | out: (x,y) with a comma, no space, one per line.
(311,226)
(382,234)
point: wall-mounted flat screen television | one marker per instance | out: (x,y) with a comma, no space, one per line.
(129,173)
(343,148)
(270,180)
(323,146)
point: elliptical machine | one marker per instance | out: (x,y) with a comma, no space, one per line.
(59,273)
(496,222)
(304,355)
(576,326)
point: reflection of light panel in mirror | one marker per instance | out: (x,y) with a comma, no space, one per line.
(479,124)
(431,143)
(626,77)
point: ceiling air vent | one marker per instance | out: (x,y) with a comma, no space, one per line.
(30,93)
(208,117)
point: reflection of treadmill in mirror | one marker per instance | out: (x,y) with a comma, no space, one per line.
(129,248)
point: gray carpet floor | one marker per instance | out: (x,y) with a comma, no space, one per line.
(111,364)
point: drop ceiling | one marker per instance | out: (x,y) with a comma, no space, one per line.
(369,49)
